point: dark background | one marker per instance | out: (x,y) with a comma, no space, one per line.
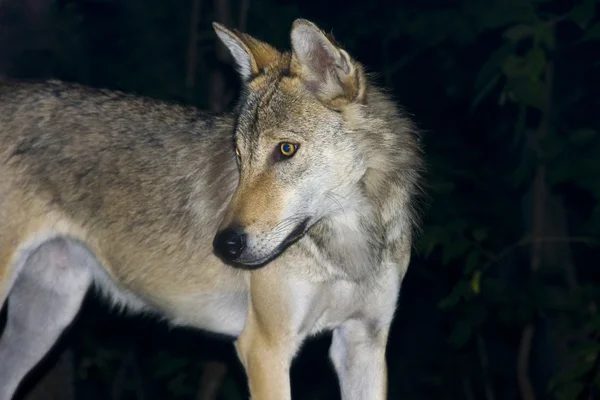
(501,298)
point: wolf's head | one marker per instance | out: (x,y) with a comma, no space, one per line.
(297,157)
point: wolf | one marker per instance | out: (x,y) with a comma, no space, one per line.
(293,215)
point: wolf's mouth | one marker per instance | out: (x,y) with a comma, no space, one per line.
(296,234)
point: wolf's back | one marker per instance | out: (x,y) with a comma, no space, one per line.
(87,122)
(113,156)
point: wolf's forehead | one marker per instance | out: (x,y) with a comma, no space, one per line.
(273,106)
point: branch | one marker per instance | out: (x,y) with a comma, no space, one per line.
(467,387)
(525,386)
(496,257)
(213,375)
(483,359)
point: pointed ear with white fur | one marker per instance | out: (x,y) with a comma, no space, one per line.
(251,55)
(327,69)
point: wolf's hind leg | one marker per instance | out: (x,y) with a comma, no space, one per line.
(43,301)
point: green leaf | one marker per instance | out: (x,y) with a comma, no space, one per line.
(593,33)
(485,91)
(593,325)
(544,34)
(527,91)
(480,234)
(589,350)
(518,32)
(431,238)
(582,136)
(504,13)
(472,261)
(536,62)
(531,65)
(514,66)
(574,373)
(490,71)
(454,250)
(583,13)
(476,282)
(461,334)
(569,391)
(458,292)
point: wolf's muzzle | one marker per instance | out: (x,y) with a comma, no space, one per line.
(230,243)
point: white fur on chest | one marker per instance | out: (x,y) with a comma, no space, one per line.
(326,305)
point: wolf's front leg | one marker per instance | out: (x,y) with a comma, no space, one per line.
(358,354)
(269,341)
(266,360)
(359,343)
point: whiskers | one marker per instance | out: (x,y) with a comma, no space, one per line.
(333,204)
(336,201)
(283,227)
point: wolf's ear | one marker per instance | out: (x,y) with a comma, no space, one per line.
(251,55)
(327,69)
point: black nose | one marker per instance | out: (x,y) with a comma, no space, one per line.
(230,243)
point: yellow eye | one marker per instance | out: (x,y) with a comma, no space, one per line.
(287,149)
(237,152)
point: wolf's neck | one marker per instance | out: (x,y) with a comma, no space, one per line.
(350,239)
(361,234)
